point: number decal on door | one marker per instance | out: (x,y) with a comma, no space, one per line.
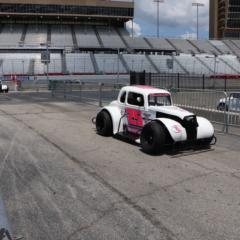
(134,117)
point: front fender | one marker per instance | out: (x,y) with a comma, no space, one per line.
(175,129)
(115,113)
(205,128)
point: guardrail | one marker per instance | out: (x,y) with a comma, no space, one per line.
(217,106)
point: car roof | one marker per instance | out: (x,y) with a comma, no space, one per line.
(143,89)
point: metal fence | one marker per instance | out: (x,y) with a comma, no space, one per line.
(205,103)
(187,81)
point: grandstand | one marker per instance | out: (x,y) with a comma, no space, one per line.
(89,37)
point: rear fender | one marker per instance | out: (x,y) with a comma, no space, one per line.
(116,115)
(176,131)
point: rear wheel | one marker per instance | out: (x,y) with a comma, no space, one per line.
(153,138)
(222,107)
(104,124)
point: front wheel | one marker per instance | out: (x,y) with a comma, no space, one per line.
(104,124)
(153,138)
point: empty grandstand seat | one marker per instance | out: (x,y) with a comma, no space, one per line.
(11,34)
(61,35)
(110,38)
(79,63)
(161,44)
(108,63)
(86,37)
(138,63)
(205,46)
(221,46)
(183,46)
(36,35)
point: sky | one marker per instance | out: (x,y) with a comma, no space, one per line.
(178,18)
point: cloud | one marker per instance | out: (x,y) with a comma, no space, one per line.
(174,14)
(189,35)
(137,31)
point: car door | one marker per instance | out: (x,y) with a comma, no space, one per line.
(134,111)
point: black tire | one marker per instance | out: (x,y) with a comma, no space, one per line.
(153,138)
(104,124)
(206,141)
(6,91)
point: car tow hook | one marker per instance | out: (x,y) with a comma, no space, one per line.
(214,140)
(94,120)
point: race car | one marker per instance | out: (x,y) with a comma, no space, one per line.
(231,103)
(3,87)
(147,115)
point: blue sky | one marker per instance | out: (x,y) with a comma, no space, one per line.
(177,18)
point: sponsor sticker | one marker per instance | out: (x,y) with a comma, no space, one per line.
(176,129)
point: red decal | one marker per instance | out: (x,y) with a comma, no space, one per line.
(176,129)
(134,117)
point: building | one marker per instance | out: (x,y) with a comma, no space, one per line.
(224,19)
(70,11)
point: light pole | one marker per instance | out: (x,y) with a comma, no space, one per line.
(132,19)
(158,5)
(197,5)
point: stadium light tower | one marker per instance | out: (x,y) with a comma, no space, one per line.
(197,4)
(158,5)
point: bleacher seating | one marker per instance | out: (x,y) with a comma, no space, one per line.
(221,46)
(110,38)
(233,47)
(108,63)
(138,63)
(79,63)
(161,44)
(134,42)
(61,35)
(205,46)
(36,34)
(166,64)
(11,34)
(86,37)
(183,46)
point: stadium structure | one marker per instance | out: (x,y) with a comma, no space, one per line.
(89,37)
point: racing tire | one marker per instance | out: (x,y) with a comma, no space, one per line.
(206,141)
(104,124)
(153,138)
(5,91)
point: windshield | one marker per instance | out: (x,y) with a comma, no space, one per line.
(159,99)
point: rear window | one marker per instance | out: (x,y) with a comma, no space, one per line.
(159,99)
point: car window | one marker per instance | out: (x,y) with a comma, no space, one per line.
(123,97)
(159,99)
(135,99)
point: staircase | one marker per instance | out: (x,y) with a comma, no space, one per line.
(98,37)
(49,34)
(74,38)
(178,62)
(94,63)
(152,63)
(31,68)
(23,36)
(124,63)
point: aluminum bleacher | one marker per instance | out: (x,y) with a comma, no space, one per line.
(36,35)
(138,63)
(110,38)
(205,46)
(183,46)
(86,37)
(224,49)
(61,35)
(79,63)
(11,34)
(166,64)
(160,44)
(109,63)
(134,42)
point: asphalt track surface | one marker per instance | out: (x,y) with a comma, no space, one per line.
(61,181)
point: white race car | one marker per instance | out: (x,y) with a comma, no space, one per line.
(147,115)
(3,87)
(232,103)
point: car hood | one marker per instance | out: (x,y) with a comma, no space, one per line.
(171,110)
